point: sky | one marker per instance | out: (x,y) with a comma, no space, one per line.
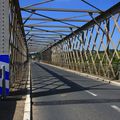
(71,4)
(74,4)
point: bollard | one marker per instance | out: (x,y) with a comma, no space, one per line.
(3,83)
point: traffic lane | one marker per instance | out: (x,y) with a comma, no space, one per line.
(57,110)
(58,82)
(57,98)
(108,96)
(101,88)
(105,91)
(45,84)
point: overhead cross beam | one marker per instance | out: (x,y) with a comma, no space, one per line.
(51,31)
(53,26)
(37,36)
(40,41)
(53,19)
(44,19)
(45,39)
(47,34)
(61,10)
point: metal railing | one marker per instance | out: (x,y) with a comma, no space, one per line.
(18,45)
(94,48)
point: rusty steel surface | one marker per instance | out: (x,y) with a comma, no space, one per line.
(17,43)
(94,48)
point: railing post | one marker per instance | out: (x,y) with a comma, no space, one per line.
(3,83)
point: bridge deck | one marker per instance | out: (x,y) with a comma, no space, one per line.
(60,95)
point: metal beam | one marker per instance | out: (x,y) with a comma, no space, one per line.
(46,39)
(4,27)
(113,10)
(51,31)
(61,10)
(54,19)
(44,19)
(39,41)
(44,30)
(45,34)
(28,18)
(38,44)
(51,26)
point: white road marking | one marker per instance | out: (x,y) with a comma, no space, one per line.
(91,93)
(115,107)
(27,102)
(63,95)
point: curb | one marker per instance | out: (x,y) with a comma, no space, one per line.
(85,75)
(27,108)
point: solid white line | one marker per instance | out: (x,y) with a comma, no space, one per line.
(91,93)
(27,102)
(115,107)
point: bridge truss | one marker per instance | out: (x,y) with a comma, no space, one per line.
(93,48)
(13,46)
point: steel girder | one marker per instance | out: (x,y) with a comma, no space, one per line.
(94,48)
(13,46)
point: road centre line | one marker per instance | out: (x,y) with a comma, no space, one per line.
(115,107)
(93,94)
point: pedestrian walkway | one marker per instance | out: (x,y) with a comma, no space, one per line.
(12,108)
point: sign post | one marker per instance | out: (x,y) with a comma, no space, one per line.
(3,83)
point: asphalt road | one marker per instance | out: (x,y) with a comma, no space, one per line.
(60,95)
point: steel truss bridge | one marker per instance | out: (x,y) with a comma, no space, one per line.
(89,45)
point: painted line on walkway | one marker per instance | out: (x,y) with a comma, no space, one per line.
(93,94)
(115,107)
(27,109)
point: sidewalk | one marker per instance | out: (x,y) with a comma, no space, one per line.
(13,107)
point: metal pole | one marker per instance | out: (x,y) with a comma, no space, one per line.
(3,83)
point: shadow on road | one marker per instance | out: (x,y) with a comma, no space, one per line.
(82,101)
(67,85)
(60,84)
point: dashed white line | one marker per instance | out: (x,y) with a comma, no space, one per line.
(93,94)
(115,107)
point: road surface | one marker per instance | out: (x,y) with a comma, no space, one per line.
(60,95)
